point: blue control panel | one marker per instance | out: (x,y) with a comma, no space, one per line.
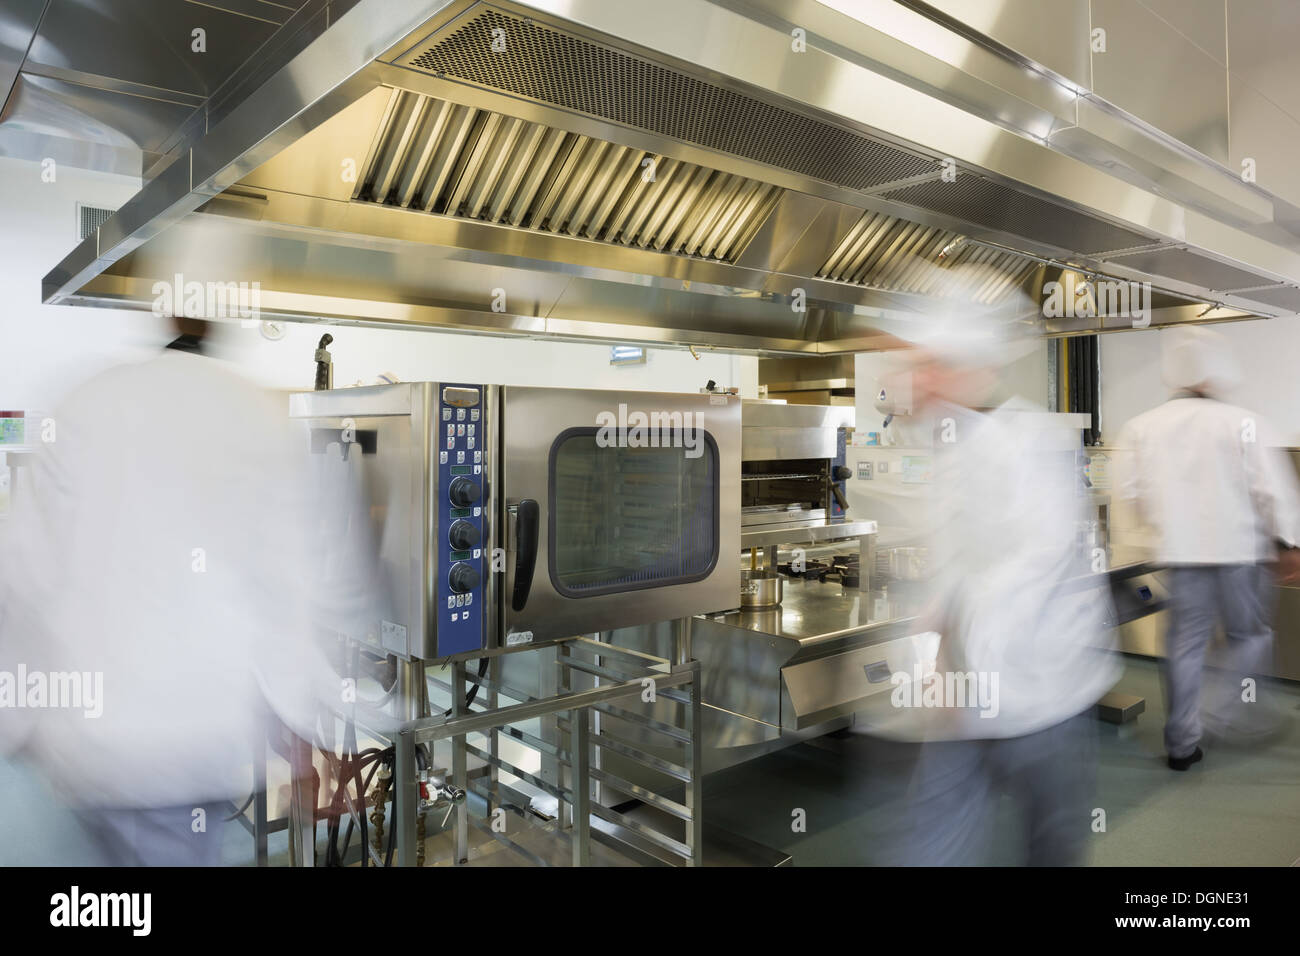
(460,534)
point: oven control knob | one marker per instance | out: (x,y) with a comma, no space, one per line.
(463,492)
(463,577)
(463,535)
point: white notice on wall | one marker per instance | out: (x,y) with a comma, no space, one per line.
(916,469)
(1099,471)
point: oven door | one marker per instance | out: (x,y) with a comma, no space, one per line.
(620,508)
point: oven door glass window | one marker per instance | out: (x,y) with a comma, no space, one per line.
(627,516)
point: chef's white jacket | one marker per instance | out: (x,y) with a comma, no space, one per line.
(163,544)
(1015,595)
(1209,480)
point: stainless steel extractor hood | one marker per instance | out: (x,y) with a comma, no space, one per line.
(668,173)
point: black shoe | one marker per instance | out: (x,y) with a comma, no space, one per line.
(1182,763)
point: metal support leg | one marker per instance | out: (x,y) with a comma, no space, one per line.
(694,791)
(260,825)
(413,690)
(600,792)
(561,672)
(459,762)
(494,736)
(302,804)
(866,561)
(578,719)
(406,798)
(682,651)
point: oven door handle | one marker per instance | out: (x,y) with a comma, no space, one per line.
(527,528)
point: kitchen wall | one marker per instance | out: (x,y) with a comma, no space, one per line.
(1266,351)
(45,350)
(1025,377)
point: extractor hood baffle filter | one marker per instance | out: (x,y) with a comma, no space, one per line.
(458,161)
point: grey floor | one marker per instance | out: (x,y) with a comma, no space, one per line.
(1238,807)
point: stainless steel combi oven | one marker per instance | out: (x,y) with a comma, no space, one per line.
(496,515)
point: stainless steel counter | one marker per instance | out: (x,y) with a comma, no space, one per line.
(1144,587)
(772,677)
(834,529)
(813,614)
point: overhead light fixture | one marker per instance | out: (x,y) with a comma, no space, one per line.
(626,355)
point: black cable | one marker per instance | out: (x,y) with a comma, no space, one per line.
(351,764)
(473,689)
(388,857)
(334,815)
(242,807)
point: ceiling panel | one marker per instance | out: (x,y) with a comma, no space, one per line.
(147,42)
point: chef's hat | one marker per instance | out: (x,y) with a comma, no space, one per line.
(1197,359)
(963,334)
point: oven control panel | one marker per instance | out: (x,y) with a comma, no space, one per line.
(460,532)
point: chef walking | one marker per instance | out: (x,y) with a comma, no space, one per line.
(1206,477)
(164,552)
(1024,653)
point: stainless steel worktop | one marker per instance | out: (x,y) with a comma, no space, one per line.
(813,613)
(799,532)
(824,658)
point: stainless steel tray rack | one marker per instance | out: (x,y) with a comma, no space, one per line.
(541,789)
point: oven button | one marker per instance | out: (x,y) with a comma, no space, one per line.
(463,577)
(463,492)
(463,535)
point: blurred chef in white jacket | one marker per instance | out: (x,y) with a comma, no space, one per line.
(1021,617)
(162,554)
(1208,478)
